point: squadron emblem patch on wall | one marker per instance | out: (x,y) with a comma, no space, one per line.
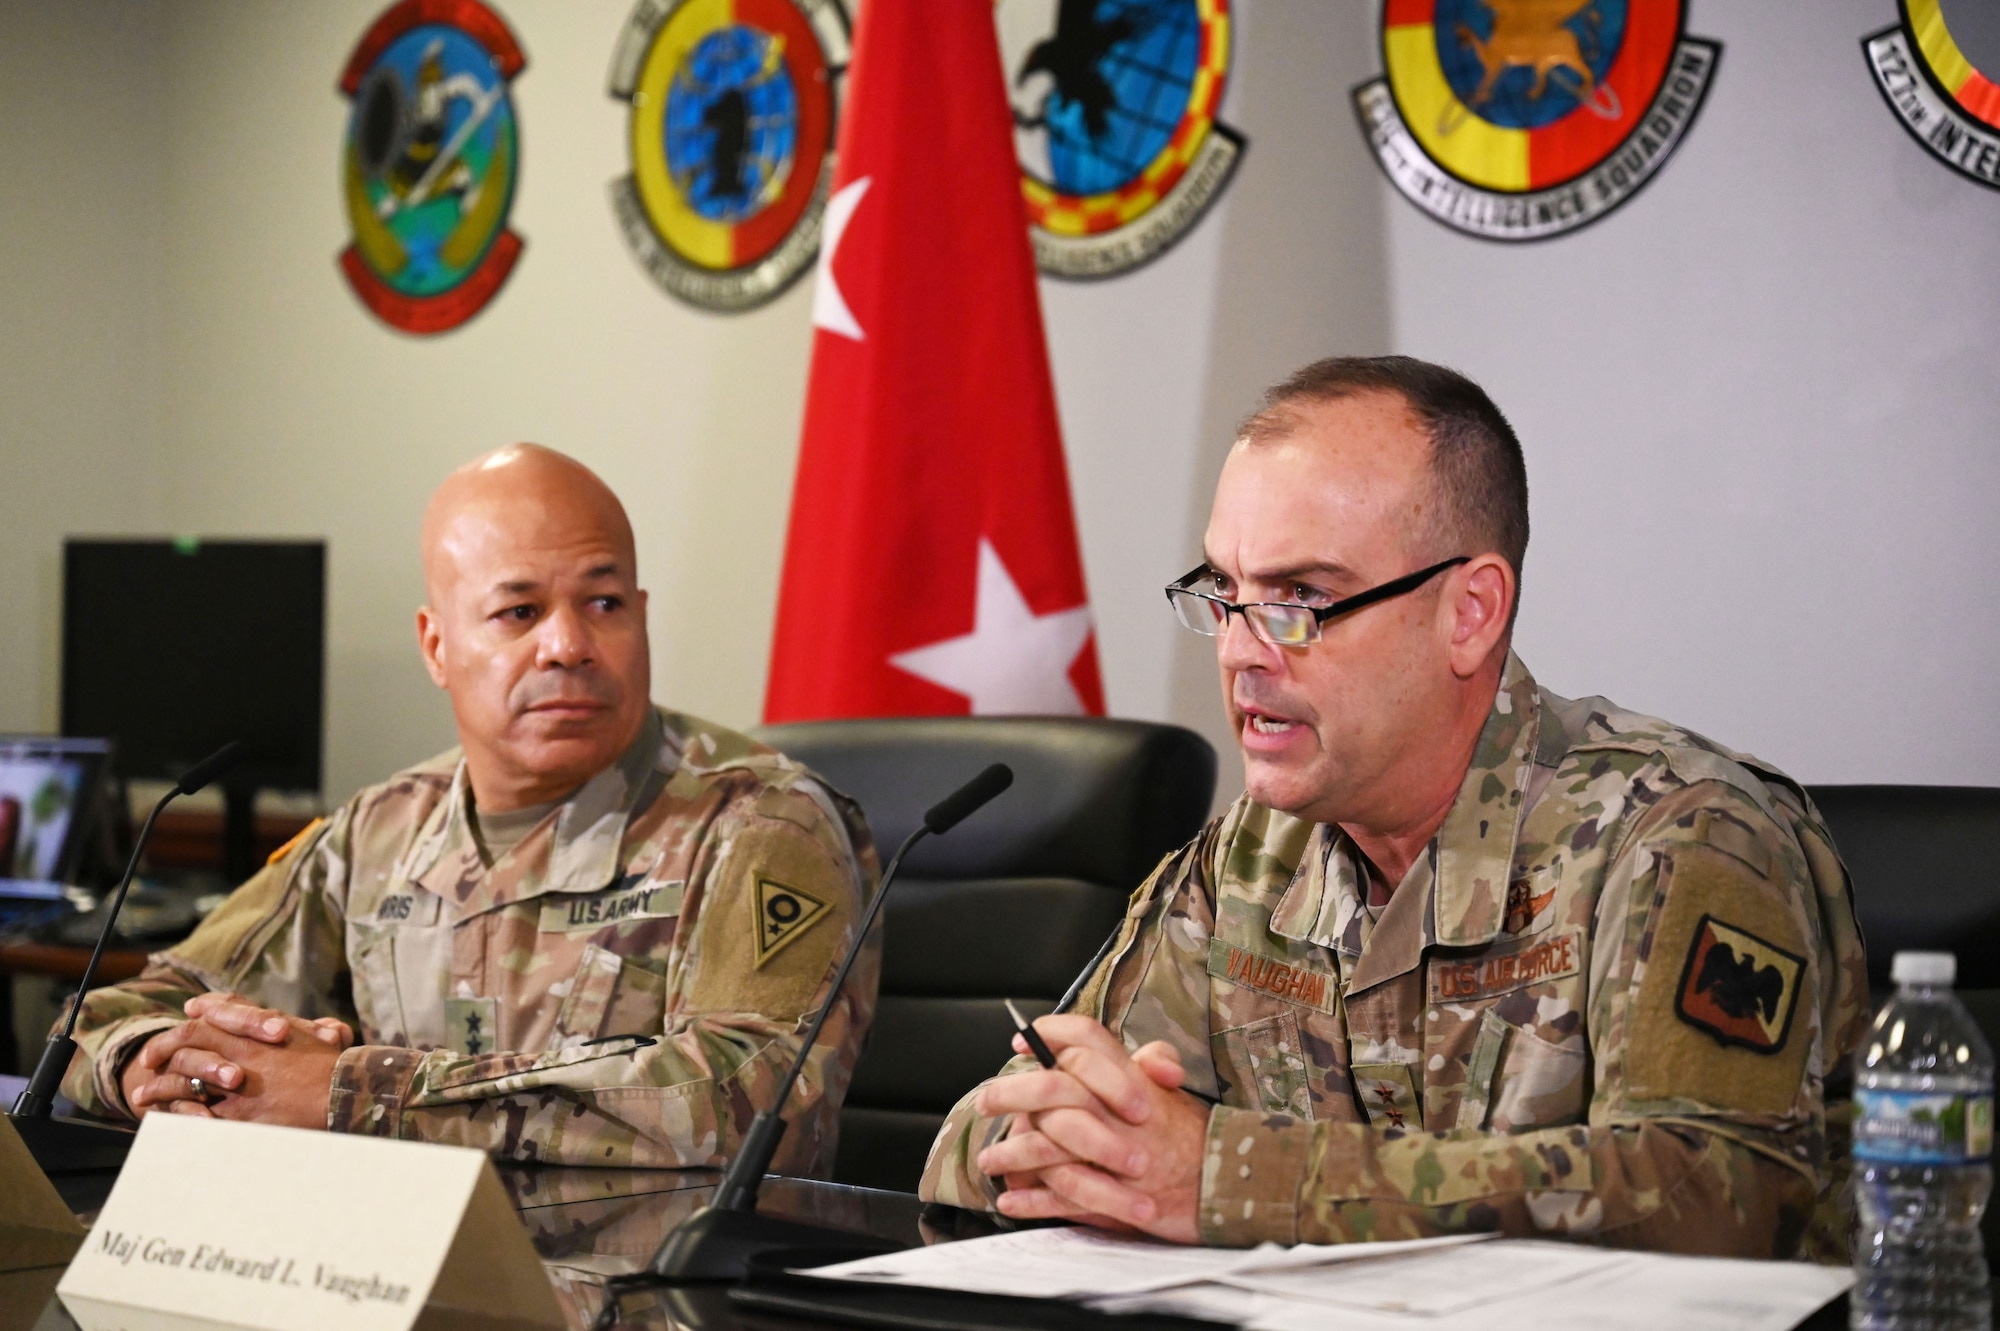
(1115,114)
(731,138)
(1941,83)
(430,162)
(1526,119)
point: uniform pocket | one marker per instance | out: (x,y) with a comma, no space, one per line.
(610,995)
(371,959)
(1265,1059)
(1541,1085)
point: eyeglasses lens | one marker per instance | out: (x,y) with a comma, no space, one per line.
(1283,625)
(1198,612)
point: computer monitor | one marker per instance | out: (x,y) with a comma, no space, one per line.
(48,797)
(173,648)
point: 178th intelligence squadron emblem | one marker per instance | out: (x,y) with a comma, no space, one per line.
(431,159)
(1525,119)
(732,132)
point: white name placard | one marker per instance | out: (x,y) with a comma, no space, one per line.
(217,1224)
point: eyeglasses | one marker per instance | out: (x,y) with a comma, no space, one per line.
(1282,623)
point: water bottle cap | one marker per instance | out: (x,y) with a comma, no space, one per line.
(1924,968)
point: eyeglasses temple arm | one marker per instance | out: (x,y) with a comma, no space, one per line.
(1394,587)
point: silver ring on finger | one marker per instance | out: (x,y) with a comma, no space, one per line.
(202,1090)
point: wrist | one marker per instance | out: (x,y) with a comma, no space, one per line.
(1252,1177)
(115,1072)
(370,1086)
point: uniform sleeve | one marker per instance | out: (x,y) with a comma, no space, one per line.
(1169,909)
(777,891)
(1724,992)
(277,940)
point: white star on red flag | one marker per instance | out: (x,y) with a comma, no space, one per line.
(830,309)
(1014,661)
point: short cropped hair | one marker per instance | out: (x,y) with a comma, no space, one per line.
(1479,480)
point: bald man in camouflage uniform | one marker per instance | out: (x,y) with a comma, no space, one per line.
(618,976)
(1606,992)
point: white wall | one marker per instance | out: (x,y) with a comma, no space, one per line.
(291,410)
(1759,406)
(1756,401)
(80,233)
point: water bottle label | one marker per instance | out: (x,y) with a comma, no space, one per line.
(1922,1127)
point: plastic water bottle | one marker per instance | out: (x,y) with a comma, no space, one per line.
(1923,1141)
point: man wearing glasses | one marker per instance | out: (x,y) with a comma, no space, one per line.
(1465,956)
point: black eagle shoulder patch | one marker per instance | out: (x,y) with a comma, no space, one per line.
(1739,988)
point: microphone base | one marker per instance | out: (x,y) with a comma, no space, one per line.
(718,1245)
(71,1145)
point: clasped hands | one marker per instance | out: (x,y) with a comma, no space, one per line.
(261,1065)
(1106,1138)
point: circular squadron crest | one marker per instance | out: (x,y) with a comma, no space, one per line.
(1525,119)
(732,132)
(1940,70)
(1115,114)
(432,156)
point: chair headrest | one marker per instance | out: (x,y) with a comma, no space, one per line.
(1926,867)
(1101,800)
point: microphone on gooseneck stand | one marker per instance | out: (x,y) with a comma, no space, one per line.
(66,1144)
(716,1242)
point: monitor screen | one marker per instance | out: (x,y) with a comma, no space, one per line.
(173,648)
(47,792)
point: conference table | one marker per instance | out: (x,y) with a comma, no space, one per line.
(588,1225)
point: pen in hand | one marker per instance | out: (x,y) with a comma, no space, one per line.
(1036,1044)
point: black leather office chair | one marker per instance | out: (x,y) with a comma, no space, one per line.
(1011,904)
(1926,867)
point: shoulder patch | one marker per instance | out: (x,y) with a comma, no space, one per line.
(783,916)
(304,835)
(1739,988)
(1714,1024)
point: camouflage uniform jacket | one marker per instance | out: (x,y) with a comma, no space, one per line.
(623,987)
(1605,1004)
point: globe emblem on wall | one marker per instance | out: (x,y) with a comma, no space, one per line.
(1115,113)
(429,166)
(731,138)
(732,124)
(1939,69)
(1526,119)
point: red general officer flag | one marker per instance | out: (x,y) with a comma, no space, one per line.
(931,566)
